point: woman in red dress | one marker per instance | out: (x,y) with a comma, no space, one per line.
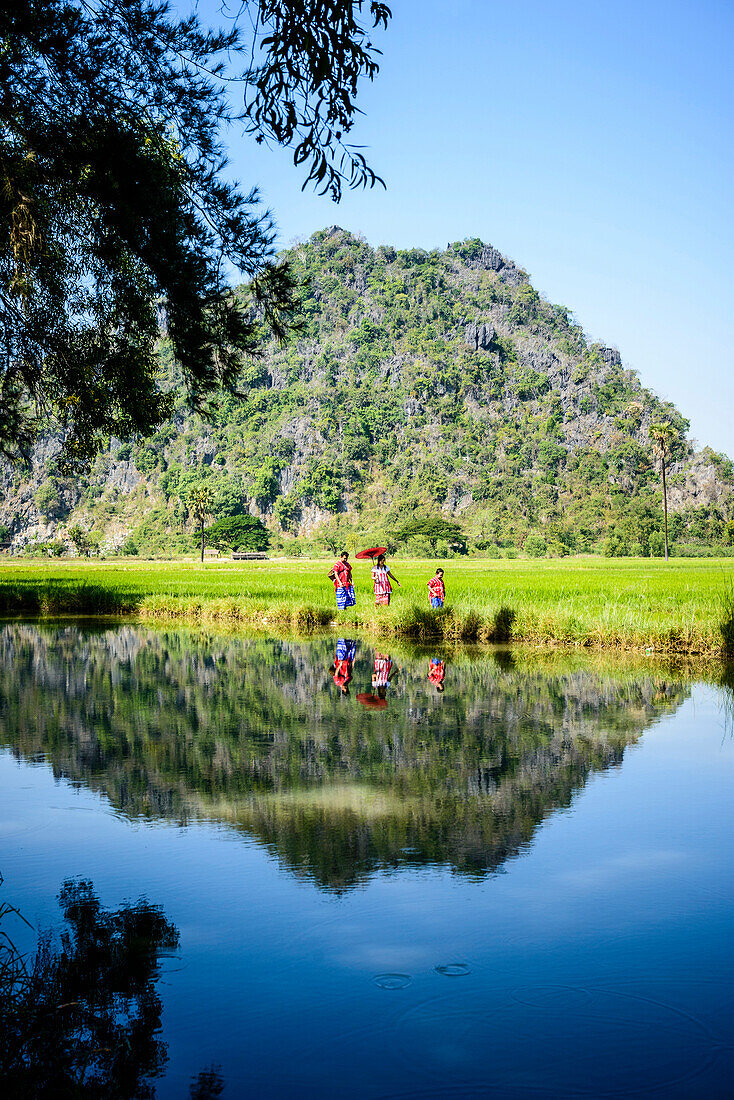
(381,580)
(383,674)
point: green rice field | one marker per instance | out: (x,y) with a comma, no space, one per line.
(683,606)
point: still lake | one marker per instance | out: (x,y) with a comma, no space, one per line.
(393,872)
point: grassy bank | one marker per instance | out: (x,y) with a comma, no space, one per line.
(635,604)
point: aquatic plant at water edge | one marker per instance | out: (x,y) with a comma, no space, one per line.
(727,618)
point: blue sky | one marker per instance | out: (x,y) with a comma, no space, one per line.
(590,143)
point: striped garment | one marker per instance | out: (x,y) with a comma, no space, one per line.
(342,673)
(383,666)
(345,597)
(342,571)
(381,581)
(436,588)
(437,671)
(346,649)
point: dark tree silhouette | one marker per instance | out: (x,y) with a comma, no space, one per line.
(207,1085)
(114,213)
(83,1018)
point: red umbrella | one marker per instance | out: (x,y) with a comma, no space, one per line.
(371,553)
(367,699)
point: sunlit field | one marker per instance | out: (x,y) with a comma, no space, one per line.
(629,603)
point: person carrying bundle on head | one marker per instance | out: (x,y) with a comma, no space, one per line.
(437,589)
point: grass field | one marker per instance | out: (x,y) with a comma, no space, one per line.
(636,604)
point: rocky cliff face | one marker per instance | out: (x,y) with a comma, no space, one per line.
(430,382)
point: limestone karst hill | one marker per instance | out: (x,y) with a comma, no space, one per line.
(418,383)
(225,730)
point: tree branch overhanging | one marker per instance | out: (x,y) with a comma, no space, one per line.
(113,197)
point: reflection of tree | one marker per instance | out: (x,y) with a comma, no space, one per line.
(207,1085)
(82,1019)
(256,734)
(726,683)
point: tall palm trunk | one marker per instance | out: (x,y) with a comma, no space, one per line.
(663,436)
(665,508)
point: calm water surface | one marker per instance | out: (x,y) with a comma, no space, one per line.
(393,874)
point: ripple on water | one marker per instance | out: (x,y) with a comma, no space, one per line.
(392,981)
(554,1040)
(453,970)
(561,997)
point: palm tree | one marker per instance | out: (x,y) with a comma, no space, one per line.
(663,436)
(200,500)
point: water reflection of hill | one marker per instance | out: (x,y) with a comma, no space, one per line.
(256,734)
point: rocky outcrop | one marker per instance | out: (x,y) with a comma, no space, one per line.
(538,355)
(696,483)
(492,259)
(479,334)
(123,476)
(611,357)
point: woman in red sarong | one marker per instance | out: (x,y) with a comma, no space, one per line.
(343,664)
(381,580)
(341,574)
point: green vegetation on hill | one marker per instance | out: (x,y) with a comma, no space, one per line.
(420,385)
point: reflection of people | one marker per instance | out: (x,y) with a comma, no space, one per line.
(343,665)
(341,574)
(437,672)
(383,674)
(346,649)
(381,580)
(437,589)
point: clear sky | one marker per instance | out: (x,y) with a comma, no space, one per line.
(592,143)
